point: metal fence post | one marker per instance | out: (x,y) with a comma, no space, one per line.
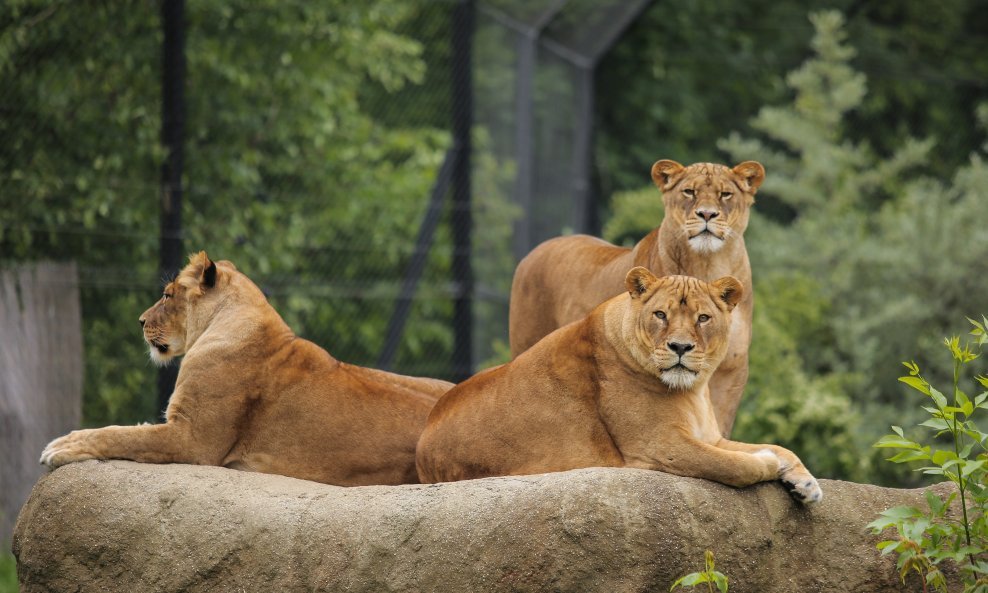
(463,26)
(172,136)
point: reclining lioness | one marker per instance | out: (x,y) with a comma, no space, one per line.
(701,235)
(624,387)
(251,395)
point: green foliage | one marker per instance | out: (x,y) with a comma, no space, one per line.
(8,573)
(928,538)
(785,402)
(709,575)
(880,250)
(686,74)
(635,214)
(312,148)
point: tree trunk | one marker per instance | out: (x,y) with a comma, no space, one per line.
(41,372)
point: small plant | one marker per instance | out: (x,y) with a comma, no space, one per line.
(928,538)
(709,576)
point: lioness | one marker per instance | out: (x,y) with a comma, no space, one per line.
(701,235)
(624,387)
(251,395)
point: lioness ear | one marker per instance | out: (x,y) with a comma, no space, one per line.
(207,267)
(663,172)
(752,172)
(638,280)
(729,290)
(209,275)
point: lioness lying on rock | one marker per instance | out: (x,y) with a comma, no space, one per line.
(251,395)
(624,387)
(701,235)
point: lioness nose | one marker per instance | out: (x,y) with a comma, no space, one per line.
(707,215)
(142,321)
(679,348)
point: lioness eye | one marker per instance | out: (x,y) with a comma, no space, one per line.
(703,318)
(166,296)
(725,195)
(660,314)
(689,193)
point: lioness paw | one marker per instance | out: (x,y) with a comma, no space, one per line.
(66,449)
(802,487)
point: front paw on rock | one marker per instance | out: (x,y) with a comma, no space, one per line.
(58,454)
(804,489)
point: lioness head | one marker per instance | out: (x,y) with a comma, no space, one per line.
(708,202)
(677,326)
(166,323)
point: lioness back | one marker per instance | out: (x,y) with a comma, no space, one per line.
(542,295)
(486,425)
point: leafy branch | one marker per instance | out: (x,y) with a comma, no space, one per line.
(926,539)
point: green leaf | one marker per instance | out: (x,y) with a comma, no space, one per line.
(938,397)
(721,581)
(913,368)
(969,467)
(901,512)
(936,504)
(694,578)
(917,383)
(897,430)
(896,442)
(906,456)
(942,456)
(936,424)
(964,402)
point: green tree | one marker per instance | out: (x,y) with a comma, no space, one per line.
(884,251)
(291,171)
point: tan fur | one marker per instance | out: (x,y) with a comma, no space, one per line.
(561,280)
(251,395)
(604,391)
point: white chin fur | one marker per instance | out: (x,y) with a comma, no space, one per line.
(706,243)
(158,358)
(678,378)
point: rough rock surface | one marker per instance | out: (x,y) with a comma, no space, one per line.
(127,527)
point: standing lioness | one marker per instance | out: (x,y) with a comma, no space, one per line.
(624,387)
(701,235)
(251,395)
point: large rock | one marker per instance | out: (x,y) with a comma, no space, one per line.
(128,527)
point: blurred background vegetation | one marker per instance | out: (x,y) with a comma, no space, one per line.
(315,131)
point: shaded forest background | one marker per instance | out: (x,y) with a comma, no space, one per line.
(315,132)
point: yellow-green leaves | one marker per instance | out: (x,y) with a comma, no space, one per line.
(709,576)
